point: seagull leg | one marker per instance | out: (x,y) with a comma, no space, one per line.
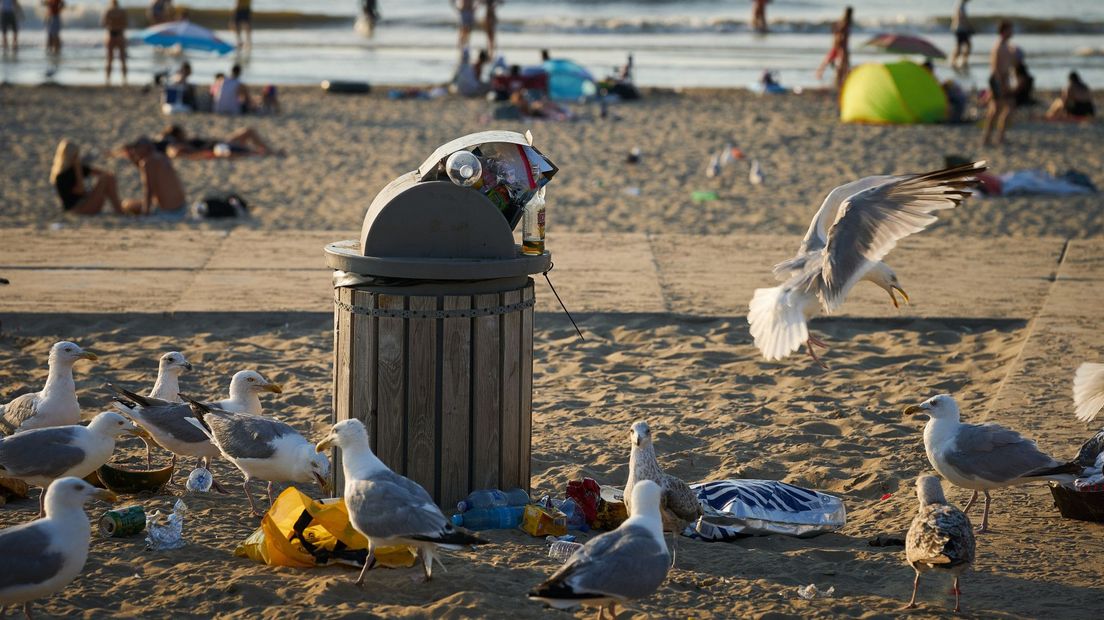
(149,456)
(809,346)
(270,502)
(27,610)
(249,496)
(915,587)
(957,592)
(985,515)
(613,610)
(970,504)
(674,548)
(42,503)
(369,562)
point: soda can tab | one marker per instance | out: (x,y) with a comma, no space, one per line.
(123,522)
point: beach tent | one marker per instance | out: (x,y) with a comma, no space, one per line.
(896,93)
(568,80)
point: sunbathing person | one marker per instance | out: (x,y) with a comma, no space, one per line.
(69,175)
(175,142)
(1074,103)
(161,187)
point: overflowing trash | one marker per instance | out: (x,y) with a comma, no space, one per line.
(491,509)
(165,532)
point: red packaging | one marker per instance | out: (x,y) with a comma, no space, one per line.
(586,493)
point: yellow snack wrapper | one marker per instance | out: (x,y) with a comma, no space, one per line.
(540,521)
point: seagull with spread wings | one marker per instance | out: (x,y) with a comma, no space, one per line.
(856,226)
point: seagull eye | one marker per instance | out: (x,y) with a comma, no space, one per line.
(251,380)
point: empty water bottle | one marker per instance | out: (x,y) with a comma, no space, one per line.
(562,549)
(576,519)
(489,498)
(464,168)
(494,518)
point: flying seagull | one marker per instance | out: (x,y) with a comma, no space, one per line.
(56,404)
(1088,391)
(680,505)
(982,457)
(40,558)
(628,563)
(856,226)
(940,537)
(387,508)
(261,448)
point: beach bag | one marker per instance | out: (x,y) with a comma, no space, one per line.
(740,508)
(218,206)
(301,532)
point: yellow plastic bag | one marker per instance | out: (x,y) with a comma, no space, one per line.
(299,531)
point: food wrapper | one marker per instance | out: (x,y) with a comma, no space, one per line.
(611,514)
(543,521)
(586,493)
(166,532)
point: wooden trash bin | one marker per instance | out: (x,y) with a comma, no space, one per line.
(433,338)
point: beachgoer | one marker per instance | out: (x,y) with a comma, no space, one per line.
(216,85)
(68,175)
(232,96)
(180,78)
(370,10)
(963,31)
(10,14)
(759,15)
(1074,103)
(243,18)
(466,81)
(115,22)
(1002,99)
(175,142)
(53,25)
(1024,89)
(270,99)
(840,54)
(466,8)
(481,61)
(161,187)
(490,23)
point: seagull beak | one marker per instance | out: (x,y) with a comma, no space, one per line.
(325,444)
(899,290)
(187,365)
(914,409)
(322,483)
(275,388)
(105,495)
(140,432)
(88,355)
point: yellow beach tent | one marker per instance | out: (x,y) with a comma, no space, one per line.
(895,93)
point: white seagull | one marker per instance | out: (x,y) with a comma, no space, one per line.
(40,558)
(169,369)
(856,226)
(246,387)
(389,509)
(261,448)
(42,455)
(1088,391)
(56,404)
(982,457)
(680,505)
(628,563)
(167,423)
(940,537)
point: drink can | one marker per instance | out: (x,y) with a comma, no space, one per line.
(123,521)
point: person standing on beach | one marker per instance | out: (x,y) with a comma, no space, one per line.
(840,54)
(490,24)
(10,12)
(467,19)
(243,18)
(370,10)
(963,31)
(53,25)
(115,22)
(759,16)
(1002,98)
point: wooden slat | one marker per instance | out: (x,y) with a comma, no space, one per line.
(511,397)
(362,365)
(390,388)
(421,425)
(340,379)
(486,386)
(526,414)
(455,403)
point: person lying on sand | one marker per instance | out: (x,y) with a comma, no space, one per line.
(69,175)
(161,187)
(175,142)
(538,108)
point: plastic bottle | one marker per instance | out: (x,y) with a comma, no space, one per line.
(464,169)
(561,550)
(490,498)
(532,225)
(495,518)
(576,519)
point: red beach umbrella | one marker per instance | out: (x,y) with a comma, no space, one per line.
(906,44)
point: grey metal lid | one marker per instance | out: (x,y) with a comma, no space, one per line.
(347,256)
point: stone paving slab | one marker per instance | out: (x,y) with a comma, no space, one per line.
(263,250)
(628,283)
(92,290)
(107,249)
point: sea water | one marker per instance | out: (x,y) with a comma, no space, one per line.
(674,43)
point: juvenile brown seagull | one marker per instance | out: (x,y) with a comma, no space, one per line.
(680,505)
(940,537)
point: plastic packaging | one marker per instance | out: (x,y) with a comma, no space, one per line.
(562,549)
(464,168)
(532,225)
(576,518)
(166,532)
(489,498)
(736,508)
(494,518)
(543,521)
(199,481)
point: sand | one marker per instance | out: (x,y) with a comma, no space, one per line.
(716,408)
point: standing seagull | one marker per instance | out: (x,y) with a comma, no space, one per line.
(1088,391)
(982,456)
(56,404)
(42,455)
(940,537)
(40,558)
(261,448)
(856,226)
(169,369)
(389,509)
(680,505)
(246,387)
(628,563)
(168,425)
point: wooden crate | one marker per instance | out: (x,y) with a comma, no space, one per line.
(442,382)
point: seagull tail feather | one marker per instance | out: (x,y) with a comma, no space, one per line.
(453,536)
(1057,472)
(777,319)
(199,410)
(126,397)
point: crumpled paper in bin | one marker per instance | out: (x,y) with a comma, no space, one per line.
(302,532)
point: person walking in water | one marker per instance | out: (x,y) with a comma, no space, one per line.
(490,24)
(840,54)
(963,31)
(759,16)
(10,13)
(466,9)
(243,19)
(53,25)
(1002,98)
(369,9)
(115,23)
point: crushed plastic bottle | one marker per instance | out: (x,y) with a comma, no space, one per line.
(489,498)
(199,481)
(810,592)
(562,549)
(166,532)
(493,518)
(576,519)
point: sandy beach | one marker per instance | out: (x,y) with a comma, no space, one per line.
(1003,334)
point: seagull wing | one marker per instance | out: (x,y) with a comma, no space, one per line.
(941,535)
(47,452)
(681,500)
(18,411)
(388,505)
(1088,391)
(627,563)
(28,556)
(996,454)
(871,221)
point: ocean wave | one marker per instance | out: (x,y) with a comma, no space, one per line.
(86,17)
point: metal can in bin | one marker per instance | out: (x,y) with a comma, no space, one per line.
(123,522)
